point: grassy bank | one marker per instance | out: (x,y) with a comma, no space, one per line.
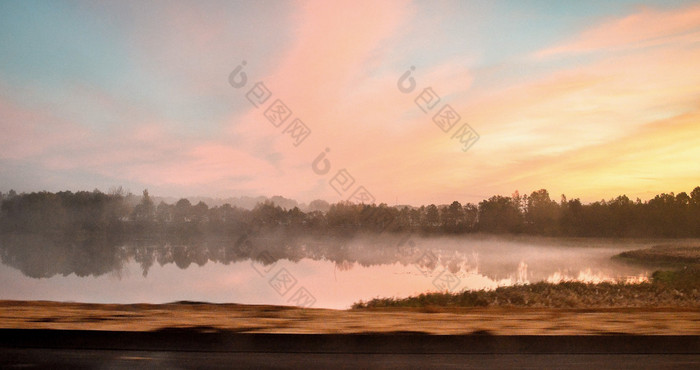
(663,255)
(679,288)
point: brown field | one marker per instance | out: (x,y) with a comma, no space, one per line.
(276,319)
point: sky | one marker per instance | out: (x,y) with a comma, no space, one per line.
(402,102)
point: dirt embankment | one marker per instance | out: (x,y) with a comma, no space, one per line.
(274,319)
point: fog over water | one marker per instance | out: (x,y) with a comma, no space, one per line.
(317,272)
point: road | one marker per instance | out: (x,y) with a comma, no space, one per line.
(192,349)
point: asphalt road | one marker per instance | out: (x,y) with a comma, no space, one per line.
(183,349)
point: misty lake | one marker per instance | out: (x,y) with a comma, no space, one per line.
(313,273)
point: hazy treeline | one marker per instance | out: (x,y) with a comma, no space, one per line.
(84,215)
(92,233)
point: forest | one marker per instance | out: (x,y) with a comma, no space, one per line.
(83,214)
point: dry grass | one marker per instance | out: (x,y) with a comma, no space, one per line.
(274,319)
(664,255)
(676,288)
(561,295)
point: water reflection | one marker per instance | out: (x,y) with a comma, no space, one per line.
(365,266)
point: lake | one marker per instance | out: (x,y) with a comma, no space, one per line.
(311,272)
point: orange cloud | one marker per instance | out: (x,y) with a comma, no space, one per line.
(646,28)
(657,157)
(627,122)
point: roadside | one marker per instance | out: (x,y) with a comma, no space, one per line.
(277,319)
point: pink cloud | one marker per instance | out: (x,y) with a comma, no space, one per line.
(31,133)
(323,78)
(328,76)
(201,164)
(334,43)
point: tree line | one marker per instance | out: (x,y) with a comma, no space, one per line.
(82,215)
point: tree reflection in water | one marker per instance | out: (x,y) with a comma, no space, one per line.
(41,256)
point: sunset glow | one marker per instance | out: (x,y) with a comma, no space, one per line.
(592,100)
